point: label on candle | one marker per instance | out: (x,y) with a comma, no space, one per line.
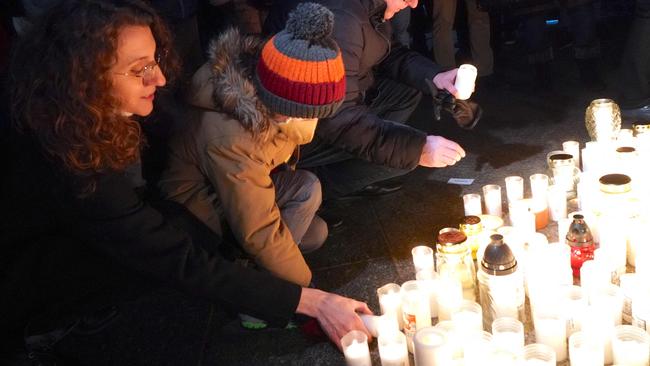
(461,181)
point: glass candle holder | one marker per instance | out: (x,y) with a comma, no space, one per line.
(422,258)
(415,308)
(539,355)
(450,296)
(575,302)
(429,346)
(390,303)
(629,283)
(393,350)
(465,79)
(508,335)
(557,207)
(573,148)
(539,186)
(603,120)
(610,299)
(454,337)
(429,282)
(514,188)
(472,204)
(355,349)
(468,317)
(550,329)
(492,198)
(631,346)
(585,350)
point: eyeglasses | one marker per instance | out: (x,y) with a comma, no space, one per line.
(147,72)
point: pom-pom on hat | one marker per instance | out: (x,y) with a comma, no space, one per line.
(300,72)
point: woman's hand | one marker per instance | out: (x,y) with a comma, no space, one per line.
(337,315)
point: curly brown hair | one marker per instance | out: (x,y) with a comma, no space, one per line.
(61,85)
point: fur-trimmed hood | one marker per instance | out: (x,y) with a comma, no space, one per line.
(225,82)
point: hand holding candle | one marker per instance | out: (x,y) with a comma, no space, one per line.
(465,80)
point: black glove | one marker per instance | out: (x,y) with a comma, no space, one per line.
(465,112)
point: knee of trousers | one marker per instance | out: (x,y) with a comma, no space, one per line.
(310,190)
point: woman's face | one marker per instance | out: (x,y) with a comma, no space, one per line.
(136,75)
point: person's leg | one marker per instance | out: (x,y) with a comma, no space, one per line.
(635,65)
(298,195)
(538,48)
(586,44)
(479,34)
(444,13)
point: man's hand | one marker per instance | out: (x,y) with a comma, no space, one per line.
(438,152)
(445,81)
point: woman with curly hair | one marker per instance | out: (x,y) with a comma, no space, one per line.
(77,236)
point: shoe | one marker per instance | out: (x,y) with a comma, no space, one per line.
(641,114)
(373,190)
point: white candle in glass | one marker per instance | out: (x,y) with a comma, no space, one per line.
(465,80)
(415,309)
(355,349)
(472,204)
(573,148)
(603,117)
(468,317)
(575,302)
(557,206)
(390,302)
(539,187)
(550,329)
(585,350)
(537,354)
(393,350)
(631,346)
(514,187)
(450,296)
(429,282)
(422,258)
(477,346)
(454,338)
(492,198)
(508,335)
(430,348)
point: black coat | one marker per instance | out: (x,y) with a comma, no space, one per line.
(57,248)
(366,44)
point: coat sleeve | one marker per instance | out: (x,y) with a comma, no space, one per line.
(247,195)
(118,223)
(409,67)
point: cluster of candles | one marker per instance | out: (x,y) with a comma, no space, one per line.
(587,324)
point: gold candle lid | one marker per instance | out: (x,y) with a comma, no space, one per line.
(449,240)
(640,128)
(615,183)
(625,149)
(470,224)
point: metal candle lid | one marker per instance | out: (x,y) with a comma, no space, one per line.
(451,240)
(640,128)
(471,225)
(498,259)
(615,183)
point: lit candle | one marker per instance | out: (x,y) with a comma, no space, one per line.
(603,119)
(472,203)
(430,348)
(393,350)
(465,79)
(477,347)
(415,308)
(492,198)
(539,204)
(450,296)
(422,258)
(429,281)
(491,222)
(514,188)
(468,317)
(355,349)
(390,302)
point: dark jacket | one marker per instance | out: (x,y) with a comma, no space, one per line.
(112,231)
(365,41)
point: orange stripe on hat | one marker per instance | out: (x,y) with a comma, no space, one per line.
(331,70)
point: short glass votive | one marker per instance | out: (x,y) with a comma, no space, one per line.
(468,317)
(585,350)
(492,198)
(573,148)
(428,278)
(450,297)
(430,347)
(508,335)
(514,188)
(390,303)
(631,346)
(472,204)
(537,354)
(539,186)
(454,337)
(355,349)
(393,350)
(422,258)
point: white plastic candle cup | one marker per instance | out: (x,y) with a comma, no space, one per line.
(575,302)
(472,204)
(539,186)
(573,148)
(557,206)
(477,346)
(393,350)
(492,198)
(514,188)
(550,329)
(594,277)
(597,325)
(537,354)
(465,80)
(631,346)
(611,299)
(454,337)
(508,335)
(422,258)
(430,347)
(468,317)
(390,303)
(585,350)
(430,283)
(355,349)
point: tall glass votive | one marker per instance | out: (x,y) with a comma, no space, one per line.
(631,346)
(468,317)
(585,350)
(428,278)
(472,204)
(539,203)
(430,347)
(573,148)
(390,303)
(415,308)
(492,198)
(514,188)
(537,354)
(393,350)
(422,258)
(508,335)
(575,302)
(355,349)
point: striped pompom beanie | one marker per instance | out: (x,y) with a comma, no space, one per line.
(300,72)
